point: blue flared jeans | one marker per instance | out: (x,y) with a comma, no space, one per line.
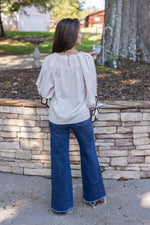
(62,190)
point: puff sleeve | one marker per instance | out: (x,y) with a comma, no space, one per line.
(90,79)
(45,81)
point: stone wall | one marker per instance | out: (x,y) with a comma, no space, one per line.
(122,137)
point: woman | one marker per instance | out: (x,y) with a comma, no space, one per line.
(68,79)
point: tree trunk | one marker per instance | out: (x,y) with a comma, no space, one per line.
(1,23)
(127,33)
(143,35)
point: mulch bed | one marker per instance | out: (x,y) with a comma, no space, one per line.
(129,82)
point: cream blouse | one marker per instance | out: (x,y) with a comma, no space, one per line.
(70,82)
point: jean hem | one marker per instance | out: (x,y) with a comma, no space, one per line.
(94,200)
(64,211)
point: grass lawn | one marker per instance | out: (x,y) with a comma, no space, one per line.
(14,42)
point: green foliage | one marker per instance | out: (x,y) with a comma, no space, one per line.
(84,13)
(142,60)
(112,56)
(60,9)
(67,8)
(103,69)
(6,84)
(9,7)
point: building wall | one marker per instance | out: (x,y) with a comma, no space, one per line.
(97,18)
(34,20)
(122,138)
(10,22)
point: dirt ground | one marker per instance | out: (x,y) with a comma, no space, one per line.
(129,82)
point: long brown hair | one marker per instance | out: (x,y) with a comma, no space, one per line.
(65,35)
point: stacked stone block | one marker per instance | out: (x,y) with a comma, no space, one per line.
(122,138)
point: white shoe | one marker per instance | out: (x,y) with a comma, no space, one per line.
(93,204)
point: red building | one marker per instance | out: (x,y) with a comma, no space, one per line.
(95,19)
